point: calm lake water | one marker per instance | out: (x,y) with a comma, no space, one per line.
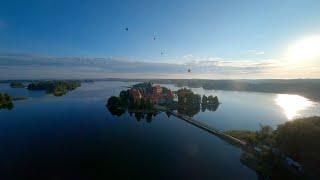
(76,137)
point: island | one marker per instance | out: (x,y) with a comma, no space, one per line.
(57,88)
(17,85)
(190,103)
(147,98)
(5,101)
(140,98)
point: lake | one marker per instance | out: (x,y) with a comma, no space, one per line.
(76,137)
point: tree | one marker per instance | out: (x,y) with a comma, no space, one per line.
(149,104)
(204,100)
(264,135)
(124,95)
(212,100)
(165,90)
(114,101)
(142,104)
(5,101)
(58,88)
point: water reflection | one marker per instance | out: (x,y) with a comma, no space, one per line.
(139,115)
(7,106)
(292,105)
(147,116)
(116,111)
(193,110)
(210,107)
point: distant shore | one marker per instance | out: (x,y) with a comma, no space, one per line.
(309,88)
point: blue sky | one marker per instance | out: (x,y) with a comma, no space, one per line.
(187,32)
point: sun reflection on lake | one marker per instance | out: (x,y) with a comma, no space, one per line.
(293,104)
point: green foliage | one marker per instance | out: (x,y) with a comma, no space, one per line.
(165,90)
(248,136)
(188,102)
(149,104)
(115,106)
(146,86)
(124,95)
(265,135)
(210,103)
(58,88)
(204,100)
(300,140)
(269,166)
(212,100)
(114,101)
(5,101)
(142,104)
(187,97)
(125,100)
(17,85)
(4,98)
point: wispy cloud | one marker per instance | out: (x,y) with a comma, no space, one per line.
(220,65)
(21,66)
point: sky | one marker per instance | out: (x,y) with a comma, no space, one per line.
(215,39)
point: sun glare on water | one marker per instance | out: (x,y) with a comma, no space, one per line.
(292,104)
(305,49)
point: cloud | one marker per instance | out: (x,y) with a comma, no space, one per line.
(33,66)
(116,64)
(256,52)
(220,65)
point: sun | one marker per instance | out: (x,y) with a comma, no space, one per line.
(305,49)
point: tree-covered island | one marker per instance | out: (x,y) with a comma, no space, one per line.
(57,88)
(143,96)
(189,103)
(140,98)
(5,101)
(17,85)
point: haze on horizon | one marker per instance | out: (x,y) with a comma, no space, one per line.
(159,39)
